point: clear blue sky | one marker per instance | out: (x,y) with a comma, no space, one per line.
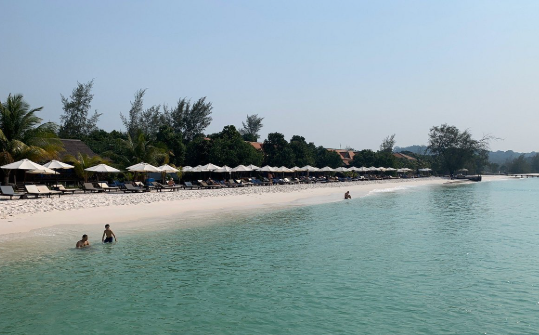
(339,73)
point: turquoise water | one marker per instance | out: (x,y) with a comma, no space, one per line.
(424,260)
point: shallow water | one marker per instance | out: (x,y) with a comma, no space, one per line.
(415,260)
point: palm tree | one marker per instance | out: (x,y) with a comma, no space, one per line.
(138,150)
(22,135)
(82,162)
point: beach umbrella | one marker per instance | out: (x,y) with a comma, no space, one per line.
(224,169)
(23,164)
(187,168)
(54,164)
(267,168)
(102,168)
(241,168)
(253,167)
(209,167)
(342,169)
(424,170)
(325,169)
(45,171)
(197,168)
(143,167)
(167,169)
(309,168)
(57,165)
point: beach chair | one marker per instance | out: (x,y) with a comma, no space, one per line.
(32,190)
(8,191)
(205,185)
(190,185)
(45,190)
(64,190)
(160,187)
(90,188)
(132,189)
(105,187)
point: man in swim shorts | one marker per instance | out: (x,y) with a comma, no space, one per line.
(83,242)
(109,233)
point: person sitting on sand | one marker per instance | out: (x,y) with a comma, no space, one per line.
(347,195)
(109,234)
(83,243)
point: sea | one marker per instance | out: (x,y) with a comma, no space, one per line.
(439,259)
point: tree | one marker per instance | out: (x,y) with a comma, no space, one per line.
(364,158)
(251,128)
(278,151)
(136,150)
(303,153)
(21,135)
(82,162)
(324,157)
(519,165)
(387,144)
(454,149)
(172,142)
(101,141)
(146,121)
(190,119)
(198,151)
(75,121)
(229,148)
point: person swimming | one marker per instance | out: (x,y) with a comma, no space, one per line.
(83,243)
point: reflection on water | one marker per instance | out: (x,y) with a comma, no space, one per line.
(433,260)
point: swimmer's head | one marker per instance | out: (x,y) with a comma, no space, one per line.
(84,237)
(107,225)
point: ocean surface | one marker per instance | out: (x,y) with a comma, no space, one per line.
(410,260)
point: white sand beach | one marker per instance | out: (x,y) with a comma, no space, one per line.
(128,210)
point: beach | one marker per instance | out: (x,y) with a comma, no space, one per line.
(132,210)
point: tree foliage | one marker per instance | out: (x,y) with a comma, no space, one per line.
(75,121)
(251,127)
(387,144)
(455,149)
(304,153)
(190,119)
(229,148)
(22,135)
(146,121)
(81,162)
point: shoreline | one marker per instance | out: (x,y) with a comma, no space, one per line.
(125,211)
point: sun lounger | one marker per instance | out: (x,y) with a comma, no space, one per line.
(90,188)
(106,187)
(132,189)
(33,190)
(205,185)
(160,187)
(8,191)
(189,185)
(243,182)
(64,190)
(45,190)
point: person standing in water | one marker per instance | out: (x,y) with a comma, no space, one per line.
(109,233)
(83,243)
(347,195)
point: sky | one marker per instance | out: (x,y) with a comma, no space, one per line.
(340,73)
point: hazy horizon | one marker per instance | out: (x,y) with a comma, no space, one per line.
(340,74)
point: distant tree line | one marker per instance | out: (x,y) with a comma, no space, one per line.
(176,135)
